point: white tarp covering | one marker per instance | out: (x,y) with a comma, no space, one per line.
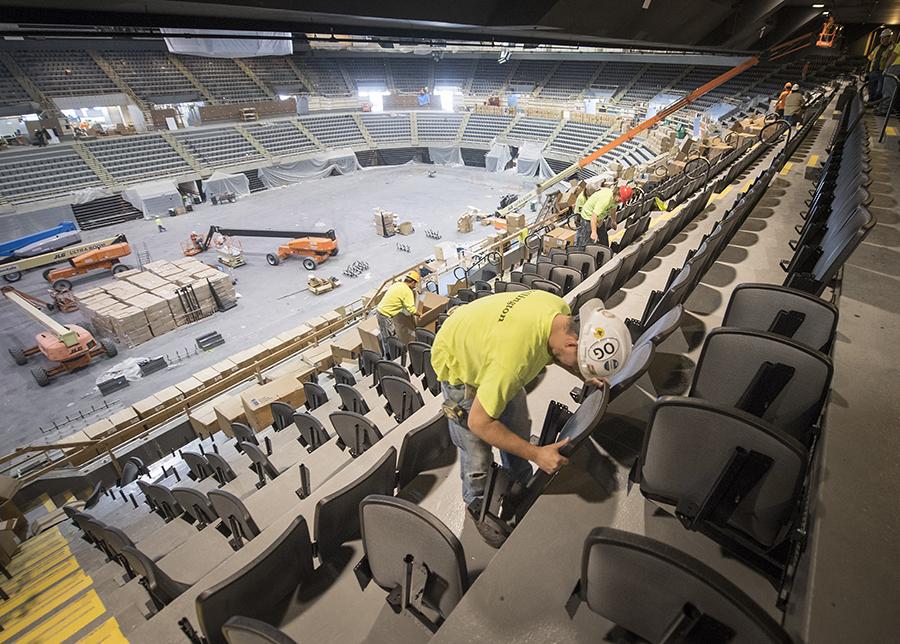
(271,43)
(220,183)
(446,156)
(154,198)
(497,157)
(89,194)
(531,162)
(341,161)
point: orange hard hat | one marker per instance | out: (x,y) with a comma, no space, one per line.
(625,193)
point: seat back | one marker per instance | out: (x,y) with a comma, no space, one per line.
(618,566)
(243,433)
(357,432)
(514,286)
(417,356)
(337,514)
(425,336)
(565,277)
(688,445)
(282,415)
(608,278)
(312,432)
(543,269)
(148,496)
(733,361)
(278,570)
(584,263)
(635,366)
(584,421)
(657,332)
(221,468)
(164,500)
(260,461)
(601,254)
(393,530)
(116,540)
(234,513)
(246,630)
(351,399)
(130,472)
(401,396)
(197,464)
(315,395)
(367,360)
(162,588)
(546,285)
(196,505)
(804,318)
(387,368)
(343,376)
(394,347)
(431,381)
(423,448)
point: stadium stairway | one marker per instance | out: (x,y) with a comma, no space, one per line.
(106,211)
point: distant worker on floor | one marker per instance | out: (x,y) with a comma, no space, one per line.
(159,225)
(779,104)
(399,302)
(892,68)
(793,106)
(484,354)
(599,213)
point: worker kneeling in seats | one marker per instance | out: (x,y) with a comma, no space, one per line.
(399,300)
(598,213)
(484,354)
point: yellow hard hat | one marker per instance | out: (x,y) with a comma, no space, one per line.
(413,276)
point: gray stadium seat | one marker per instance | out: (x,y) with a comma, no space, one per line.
(417,352)
(403,398)
(545,285)
(394,348)
(367,361)
(337,514)
(584,262)
(688,449)
(197,464)
(601,253)
(635,366)
(513,286)
(196,506)
(351,399)
(343,376)
(81,519)
(423,448)
(680,598)
(243,434)
(312,432)
(165,502)
(132,469)
(425,336)
(162,589)
(387,368)
(282,416)
(565,277)
(246,630)
(662,328)
(221,469)
(260,464)
(403,542)
(742,368)
(262,589)
(315,395)
(430,379)
(235,516)
(804,318)
(356,432)
(115,540)
(148,497)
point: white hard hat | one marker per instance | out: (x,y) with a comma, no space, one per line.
(795,87)
(604,342)
(887,33)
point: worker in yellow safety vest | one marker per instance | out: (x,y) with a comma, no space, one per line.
(485,353)
(599,212)
(399,300)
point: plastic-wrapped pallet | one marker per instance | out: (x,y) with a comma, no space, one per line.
(159,316)
(130,325)
(176,308)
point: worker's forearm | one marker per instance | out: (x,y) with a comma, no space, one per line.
(495,433)
(593,224)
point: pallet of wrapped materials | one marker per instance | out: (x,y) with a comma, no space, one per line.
(88,293)
(147,281)
(130,325)
(124,275)
(124,291)
(159,316)
(182,279)
(176,309)
(162,268)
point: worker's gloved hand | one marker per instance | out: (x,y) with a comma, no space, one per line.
(549,459)
(594,237)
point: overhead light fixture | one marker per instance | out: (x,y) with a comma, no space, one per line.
(818,6)
(503,57)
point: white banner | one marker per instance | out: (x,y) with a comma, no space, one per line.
(213,47)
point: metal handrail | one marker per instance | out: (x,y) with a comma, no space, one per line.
(887,113)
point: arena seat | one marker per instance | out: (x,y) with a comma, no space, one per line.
(243,434)
(423,448)
(282,416)
(412,555)
(246,630)
(403,399)
(196,506)
(315,395)
(430,380)
(394,349)
(367,361)
(337,514)
(260,463)
(682,599)
(632,370)
(234,516)
(161,588)
(351,399)
(343,376)
(221,469)
(198,466)
(417,351)
(355,431)
(312,433)
(425,336)
(280,569)
(167,505)
(387,368)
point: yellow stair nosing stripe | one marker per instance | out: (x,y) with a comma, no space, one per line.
(64,569)
(68,621)
(107,632)
(55,607)
(26,565)
(43,593)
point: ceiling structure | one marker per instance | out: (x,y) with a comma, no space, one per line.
(705,25)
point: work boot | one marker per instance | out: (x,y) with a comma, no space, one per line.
(492,530)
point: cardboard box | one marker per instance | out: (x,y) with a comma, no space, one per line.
(558,238)
(319,357)
(224,367)
(431,305)
(331,317)
(148,406)
(296,368)
(9,542)
(83,457)
(317,323)
(346,346)
(208,376)
(189,386)
(124,418)
(515,220)
(169,395)
(203,419)
(229,409)
(405,228)
(292,335)
(99,429)
(247,357)
(445,251)
(272,344)
(257,401)
(369,334)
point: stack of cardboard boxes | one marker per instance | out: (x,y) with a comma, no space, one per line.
(465,223)
(560,238)
(385,223)
(139,305)
(515,222)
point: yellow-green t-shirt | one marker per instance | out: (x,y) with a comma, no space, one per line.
(579,202)
(399,297)
(601,202)
(497,344)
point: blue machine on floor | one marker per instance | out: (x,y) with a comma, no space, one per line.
(44,241)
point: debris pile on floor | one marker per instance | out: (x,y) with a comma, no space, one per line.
(142,304)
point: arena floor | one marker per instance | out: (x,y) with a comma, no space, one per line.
(270,298)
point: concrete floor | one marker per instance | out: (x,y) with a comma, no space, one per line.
(267,306)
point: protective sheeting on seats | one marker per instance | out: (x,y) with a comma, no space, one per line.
(497,158)
(273,43)
(340,161)
(89,194)
(531,162)
(450,155)
(154,198)
(220,183)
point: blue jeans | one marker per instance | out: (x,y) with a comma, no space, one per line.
(875,81)
(583,234)
(476,456)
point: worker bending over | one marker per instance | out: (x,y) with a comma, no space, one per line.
(779,104)
(598,213)
(399,300)
(793,106)
(484,354)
